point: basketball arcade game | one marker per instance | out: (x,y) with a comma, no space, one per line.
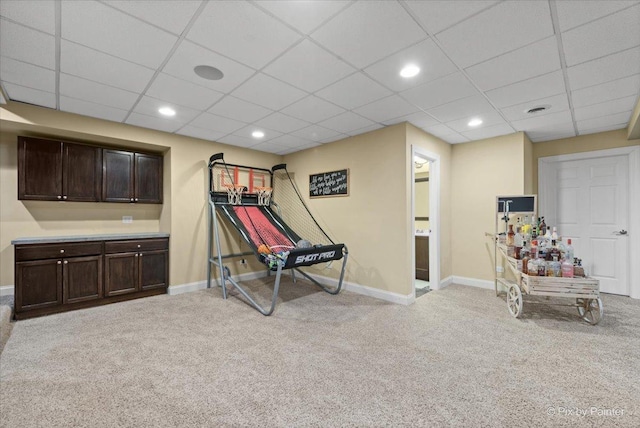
(250,209)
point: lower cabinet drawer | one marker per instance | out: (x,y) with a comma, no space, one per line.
(112,247)
(52,251)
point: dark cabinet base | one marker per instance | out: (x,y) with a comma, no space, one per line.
(422,258)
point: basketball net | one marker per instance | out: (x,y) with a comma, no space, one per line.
(264,195)
(234,193)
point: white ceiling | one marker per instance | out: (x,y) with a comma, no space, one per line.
(312,72)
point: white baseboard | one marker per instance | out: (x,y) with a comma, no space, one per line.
(6,290)
(445,282)
(473,282)
(364,290)
(201,285)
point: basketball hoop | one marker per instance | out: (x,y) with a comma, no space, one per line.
(234,193)
(264,195)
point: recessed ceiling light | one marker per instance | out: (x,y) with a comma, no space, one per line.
(167,111)
(257,134)
(208,72)
(475,122)
(538,109)
(409,70)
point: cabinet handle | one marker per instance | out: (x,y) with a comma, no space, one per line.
(64,197)
(140,254)
(131,199)
(66,262)
(59,262)
(136,199)
(61,251)
(136,254)
(138,245)
(59,197)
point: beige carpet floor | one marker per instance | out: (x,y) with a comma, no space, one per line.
(454,358)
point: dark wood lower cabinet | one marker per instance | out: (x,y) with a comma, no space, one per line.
(92,273)
(422,258)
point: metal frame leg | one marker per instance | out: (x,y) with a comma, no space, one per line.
(337,289)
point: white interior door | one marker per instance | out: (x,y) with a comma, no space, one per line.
(589,203)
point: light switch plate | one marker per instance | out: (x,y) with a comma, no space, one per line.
(127,219)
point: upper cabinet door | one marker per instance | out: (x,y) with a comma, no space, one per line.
(148,182)
(117,176)
(82,178)
(40,169)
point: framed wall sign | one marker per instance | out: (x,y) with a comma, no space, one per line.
(327,184)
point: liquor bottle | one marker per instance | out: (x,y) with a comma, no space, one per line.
(567,268)
(534,225)
(524,256)
(518,242)
(556,267)
(510,236)
(534,249)
(532,267)
(568,251)
(554,234)
(554,251)
(542,227)
(542,266)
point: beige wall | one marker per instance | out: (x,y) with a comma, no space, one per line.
(418,138)
(371,220)
(183,213)
(580,144)
(481,170)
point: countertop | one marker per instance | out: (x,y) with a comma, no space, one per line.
(86,238)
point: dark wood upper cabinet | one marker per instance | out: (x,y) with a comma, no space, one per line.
(117,176)
(82,173)
(148,178)
(39,169)
(50,170)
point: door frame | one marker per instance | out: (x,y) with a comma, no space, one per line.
(633,156)
(434,218)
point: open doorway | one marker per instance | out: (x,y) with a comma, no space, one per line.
(425,201)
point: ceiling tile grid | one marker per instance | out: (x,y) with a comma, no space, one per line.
(309,73)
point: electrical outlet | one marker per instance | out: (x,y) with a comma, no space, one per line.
(127,219)
(499,269)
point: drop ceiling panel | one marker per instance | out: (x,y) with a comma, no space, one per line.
(432,61)
(86,108)
(606,69)
(497,30)
(303,147)
(556,103)
(488,132)
(463,108)
(456,138)
(316,133)
(440,91)
(439,15)
(32,13)
(97,93)
(538,87)
(235,108)
(536,122)
(282,123)
(290,141)
(617,121)
(602,129)
(242,32)
(188,55)
(572,13)
(268,92)
(346,122)
(217,123)
(97,66)
(236,140)
(602,37)
(269,147)
(115,33)
(171,15)
(354,91)
(606,91)
(308,67)
(489,118)
(606,108)
(532,60)
(369,31)
(27,75)
(386,108)
(183,93)
(246,132)
(305,16)
(551,131)
(439,130)
(313,109)
(149,106)
(27,45)
(150,122)
(204,134)
(419,120)
(364,130)
(29,95)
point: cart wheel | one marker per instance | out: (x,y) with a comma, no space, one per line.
(514,300)
(590,310)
